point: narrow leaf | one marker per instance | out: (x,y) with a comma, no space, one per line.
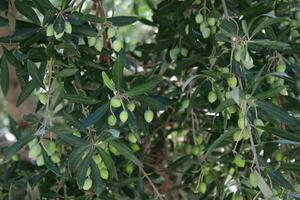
(4,75)
(117,73)
(49,164)
(71,139)
(12,150)
(80,99)
(34,73)
(109,163)
(94,116)
(142,88)
(108,82)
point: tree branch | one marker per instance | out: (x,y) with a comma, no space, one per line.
(225,9)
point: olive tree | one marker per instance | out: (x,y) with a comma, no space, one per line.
(206,108)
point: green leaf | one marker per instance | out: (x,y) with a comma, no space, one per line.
(123,20)
(4,75)
(67,72)
(59,24)
(267,22)
(224,104)
(290,167)
(12,193)
(109,163)
(276,176)
(99,185)
(108,82)
(57,96)
(281,133)
(26,92)
(217,142)
(94,116)
(35,74)
(142,88)
(279,114)
(263,186)
(25,9)
(266,43)
(153,102)
(49,164)
(73,158)
(132,123)
(270,93)
(126,152)
(12,150)
(80,99)
(82,169)
(117,73)
(71,139)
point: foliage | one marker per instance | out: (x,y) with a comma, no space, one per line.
(209,110)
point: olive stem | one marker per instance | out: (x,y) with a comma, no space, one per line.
(152,184)
(225,9)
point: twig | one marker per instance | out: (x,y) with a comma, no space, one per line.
(253,148)
(225,9)
(152,184)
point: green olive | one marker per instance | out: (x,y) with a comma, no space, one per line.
(104,173)
(149,115)
(99,44)
(92,41)
(270,79)
(184,52)
(115,102)
(51,147)
(129,168)
(280,68)
(111,32)
(212,97)
(77,133)
(174,53)
(199,18)
(232,82)
(97,158)
(202,187)
(239,161)
(242,122)
(253,180)
(87,184)
(111,120)
(117,45)
(40,160)
(55,158)
(211,21)
(135,147)
(278,156)
(131,107)
(43,98)
(131,138)
(237,197)
(68,27)
(50,30)
(58,35)
(206,33)
(113,150)
(123,116)
(34,151)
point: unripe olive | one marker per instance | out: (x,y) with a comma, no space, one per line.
(51,147)
(213,30)
(270,79)
(117,45)
(232,82)
(111,32)
(206,33)
(32,142)
(87,184)
(228,95)
(131,138)
(253,180)
(211,21)
(123,116)
(297,15)
(104,173)
(43,98)
(280,68)
(40,161)
(202,187)
(195,151)
(113,150)
(97,159)
(231,171)
(188,149)
(199,139)
(184,52)
(199,18)
(278,156)
(212,97)
(115,102)
(231,109)
(50,30)
(174,53)
(237,136)
(242,122)
(68,27)
(77,133)
(135,147)
(237,197)
(239,161)
(58,35)
(99,44)
(111,120)
(149,115)
(55,158)
(185,103)
(92,41)
(203,25)
(34,151)
(186,29)
(129,168)
(88,171)
(131,107)
(224,69)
